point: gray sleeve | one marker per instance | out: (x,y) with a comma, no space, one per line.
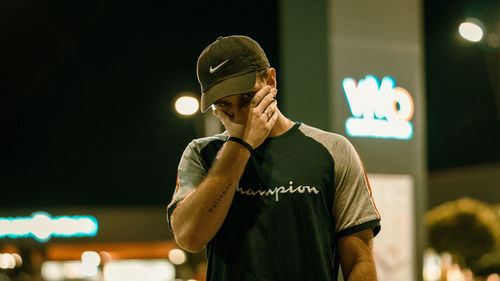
(354,208)
(190,173)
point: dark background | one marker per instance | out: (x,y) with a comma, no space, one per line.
(87,112)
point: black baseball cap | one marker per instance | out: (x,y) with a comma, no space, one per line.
(229,67)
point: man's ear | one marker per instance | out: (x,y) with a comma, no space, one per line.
(271,78)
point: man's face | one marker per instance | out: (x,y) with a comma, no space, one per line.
(237,106)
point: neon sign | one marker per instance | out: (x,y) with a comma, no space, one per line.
(42,226)
(379,110)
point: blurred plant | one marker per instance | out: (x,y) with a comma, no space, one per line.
(488,264)
(466,228)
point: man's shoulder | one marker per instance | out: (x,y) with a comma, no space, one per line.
(322,136)
(337,145)
(200,143)
(202,150)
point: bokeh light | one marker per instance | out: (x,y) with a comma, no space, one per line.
(177,256)
(19,260)
(90,262)
(91,258)
(133,270)
(7,261)
(52,271)
(493,277)
(471,30)
(187,105)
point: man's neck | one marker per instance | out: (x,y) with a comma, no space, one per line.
(281,126)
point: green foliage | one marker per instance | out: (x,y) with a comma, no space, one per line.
(466,227)
(488,264)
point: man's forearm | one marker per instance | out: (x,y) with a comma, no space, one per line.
(199,216)
(363,271)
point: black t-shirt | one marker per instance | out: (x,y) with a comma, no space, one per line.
(299,192)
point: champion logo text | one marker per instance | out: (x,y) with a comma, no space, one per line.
(278,190)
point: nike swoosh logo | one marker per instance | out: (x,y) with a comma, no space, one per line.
(213,69)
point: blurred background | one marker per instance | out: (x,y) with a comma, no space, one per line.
(91,136)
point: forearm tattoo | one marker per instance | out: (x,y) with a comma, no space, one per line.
(219,199)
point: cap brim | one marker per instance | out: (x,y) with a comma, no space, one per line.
(232,86)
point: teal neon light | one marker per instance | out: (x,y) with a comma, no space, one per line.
(42,226)
(379,110)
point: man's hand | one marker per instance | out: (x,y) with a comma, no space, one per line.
(233,129)
(262,115)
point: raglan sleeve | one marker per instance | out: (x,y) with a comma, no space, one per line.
(190,173)
(354,208)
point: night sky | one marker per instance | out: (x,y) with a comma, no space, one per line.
(88,90)
(463,121)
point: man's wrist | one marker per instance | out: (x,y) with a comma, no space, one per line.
(242,142)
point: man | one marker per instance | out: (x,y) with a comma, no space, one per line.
(269,198)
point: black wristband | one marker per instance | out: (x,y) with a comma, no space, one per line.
(242,142)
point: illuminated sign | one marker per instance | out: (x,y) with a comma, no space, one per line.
(379,110)
(41,226)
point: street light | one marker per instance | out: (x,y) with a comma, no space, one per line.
(187,105)
(471,30)
(204,124)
